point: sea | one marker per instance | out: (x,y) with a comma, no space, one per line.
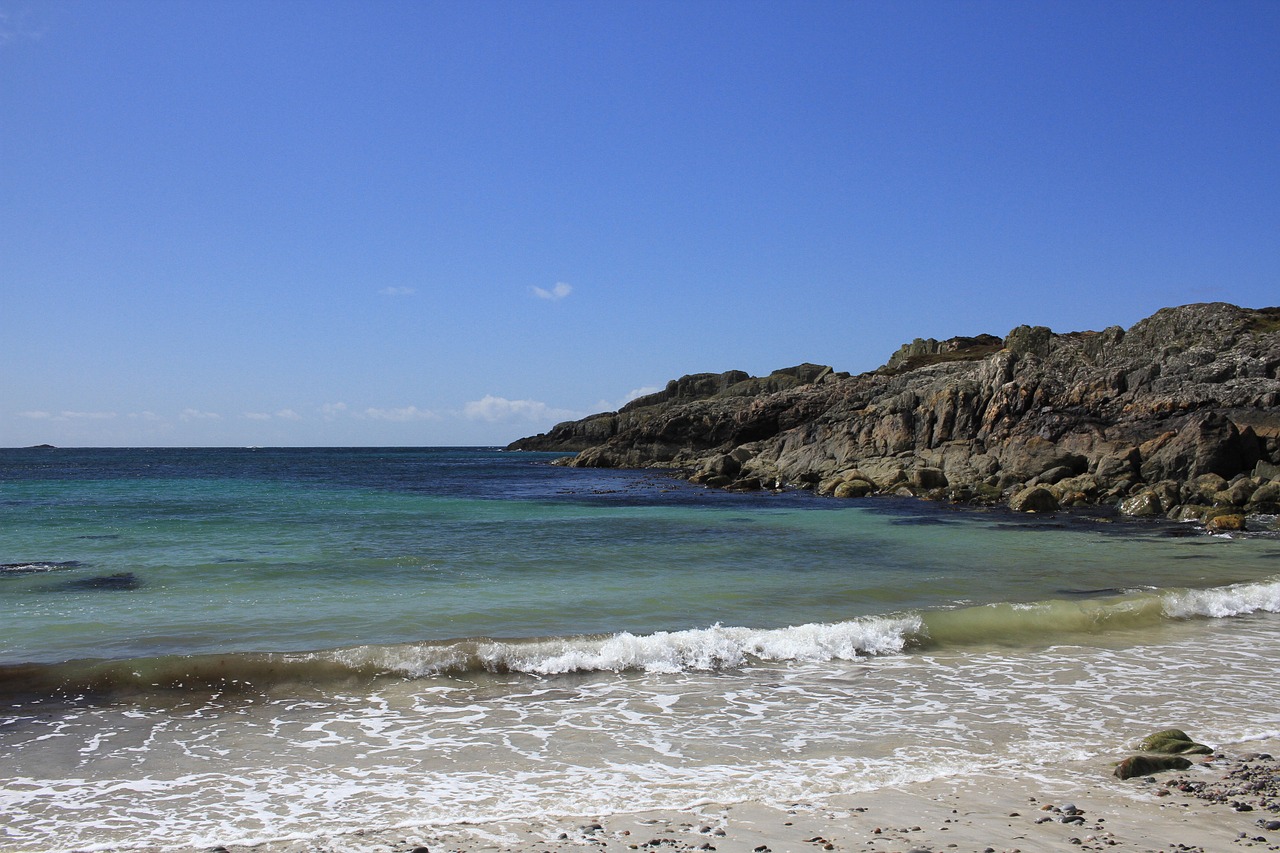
(204,647)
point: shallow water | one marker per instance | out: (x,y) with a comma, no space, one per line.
(319,641)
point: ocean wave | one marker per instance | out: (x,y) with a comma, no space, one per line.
(694,650)
(35,566)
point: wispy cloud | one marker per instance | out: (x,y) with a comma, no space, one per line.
(144,416)
(332,411)
(397,291)
(19,26)
(283,414)
(87,416)
(493,409)
(67,416)
(560,291)
(197,415)
(408,413)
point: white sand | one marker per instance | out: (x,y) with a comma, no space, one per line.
(1010,812)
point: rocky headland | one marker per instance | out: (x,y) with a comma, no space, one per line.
(1177,416)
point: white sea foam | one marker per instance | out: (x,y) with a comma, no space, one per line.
(1224,601)
(695,650)
(709,649)
(510,746)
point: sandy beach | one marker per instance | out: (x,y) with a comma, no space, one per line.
(1222,802)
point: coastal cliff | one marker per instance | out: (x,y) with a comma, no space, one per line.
(1178,415)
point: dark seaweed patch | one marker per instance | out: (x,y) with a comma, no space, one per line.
(1029,525)
(923,520)
(118,581)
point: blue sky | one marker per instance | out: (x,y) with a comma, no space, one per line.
(418,223)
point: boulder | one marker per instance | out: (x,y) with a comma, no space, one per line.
(1054,475)
(1173,742)
(1207,443)
(1145,765)
(853,489)
(1230,523)
(1034,499)
(1203,488)
(1266,499)
(723,465)
(1237,494)
(1119,466)
(1086,483)
(1144,504)
(928,478)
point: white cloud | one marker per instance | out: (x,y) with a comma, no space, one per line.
(88,416)
(493,409)
(197,415)
(560,291)
(332,410)
(144,416)
(397,291)
(408,413)
(637,393)
(283,414)
(35,416)
(634,394)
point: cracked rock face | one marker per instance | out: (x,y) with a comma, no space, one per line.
(1087,417)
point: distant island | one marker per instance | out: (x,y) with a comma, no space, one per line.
(1178,416)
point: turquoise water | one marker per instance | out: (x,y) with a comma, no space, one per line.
(186,633)
(134,554)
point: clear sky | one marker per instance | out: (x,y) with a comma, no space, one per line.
(429,223)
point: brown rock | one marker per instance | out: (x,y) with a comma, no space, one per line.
(1226,523)
(1145,765)
(1034,499)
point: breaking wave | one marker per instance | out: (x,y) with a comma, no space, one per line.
(703,649)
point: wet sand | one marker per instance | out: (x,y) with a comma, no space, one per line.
(1223,802)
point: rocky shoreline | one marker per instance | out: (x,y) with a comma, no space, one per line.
(1177,416)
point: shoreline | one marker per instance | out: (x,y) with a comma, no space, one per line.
(1222,802)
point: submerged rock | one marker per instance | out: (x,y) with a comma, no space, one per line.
(118,581)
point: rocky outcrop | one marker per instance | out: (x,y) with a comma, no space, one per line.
(1181,410)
